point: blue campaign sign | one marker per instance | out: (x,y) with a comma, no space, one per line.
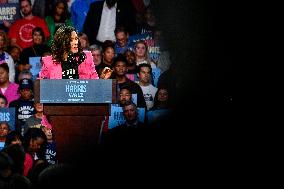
(116,117)
(138,37)
(134,98)
(154,53)
(2,144)
(75,91)
(9,12)
(36,66)
(156,72)
(8,115)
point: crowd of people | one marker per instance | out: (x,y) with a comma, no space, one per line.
(96,39)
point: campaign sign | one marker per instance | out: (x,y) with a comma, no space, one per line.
(8,115)
(139,37)
(153,49)
(116,117)
(36,66)
(76,91)
(156,72)
(9,12)
(2,144)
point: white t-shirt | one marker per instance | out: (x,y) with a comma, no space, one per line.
(149,93)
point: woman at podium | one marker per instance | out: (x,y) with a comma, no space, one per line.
(67,60)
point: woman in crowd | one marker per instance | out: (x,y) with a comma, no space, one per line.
(59,17)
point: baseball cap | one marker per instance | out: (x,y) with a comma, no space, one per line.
(26,84)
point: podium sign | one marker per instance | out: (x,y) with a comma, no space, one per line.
(75,91)
(76,110)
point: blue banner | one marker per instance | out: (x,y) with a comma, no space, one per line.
(156,72)
(8,115)
(36,66)
(9,12)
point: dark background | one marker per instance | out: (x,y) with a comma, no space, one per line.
(192,142)
(200,41)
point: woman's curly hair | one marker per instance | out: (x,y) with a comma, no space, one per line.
(62,42)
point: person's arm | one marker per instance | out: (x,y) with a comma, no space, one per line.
(92,73)
(11,65)
(44,72)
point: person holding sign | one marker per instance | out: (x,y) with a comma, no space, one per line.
(30,56)
(130,132)
(142,54)
(68,60)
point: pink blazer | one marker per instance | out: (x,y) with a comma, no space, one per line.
(53,70)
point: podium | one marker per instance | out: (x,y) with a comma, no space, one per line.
(76,109)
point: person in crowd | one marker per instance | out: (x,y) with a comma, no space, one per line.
(79,10)
(119,70)
(108,56)
(145,77)
(5,57)
(15,52)
(42,8)
(60,16)
(17,153)
(142,54)
(7,88)
(163,61)
(24,105)
(50,153)
(131,64)
(14,137)
(104,16)
(4,130)
(161,100)
(25,74)
(20,32)
(68,61)
(122,43)
(130,113)
(34,143)
(6,166)
(148,22)
(36,50)
(128,133)
(125,95)
(3,101)
(35,120)
(161,111)
(96,51)
(84,40)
